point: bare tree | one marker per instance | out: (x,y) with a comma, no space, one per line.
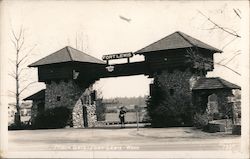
(217,26)
(224,62)
(21,56)
(197,58)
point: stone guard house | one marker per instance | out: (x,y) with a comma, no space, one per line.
(215,94)
(178,62)
(38,100)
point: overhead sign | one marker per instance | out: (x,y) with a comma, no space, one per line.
(117,56)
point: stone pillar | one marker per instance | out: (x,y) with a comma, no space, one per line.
(77,115)
(74,96)
(90,106)
(92,119)
(178,87)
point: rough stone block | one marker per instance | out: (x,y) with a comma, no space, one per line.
(212,128)
(236,130)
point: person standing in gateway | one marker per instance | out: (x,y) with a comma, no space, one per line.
(122,116)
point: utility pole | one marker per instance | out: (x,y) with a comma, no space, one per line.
(137,116)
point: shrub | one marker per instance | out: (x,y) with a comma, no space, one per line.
(200,120)
(21,126)
(58,117)
(146,118)
(167,110)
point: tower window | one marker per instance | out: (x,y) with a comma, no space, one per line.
(93,96)
(86,99)
(58,98)
(171,91)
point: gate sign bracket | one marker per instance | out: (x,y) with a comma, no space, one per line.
(110,68)
(127,55)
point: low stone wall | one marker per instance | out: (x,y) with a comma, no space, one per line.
(224,125)
(214,127)
(236,130)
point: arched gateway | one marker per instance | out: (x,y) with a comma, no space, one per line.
(178,62)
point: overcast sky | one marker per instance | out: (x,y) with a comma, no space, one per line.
(52,25)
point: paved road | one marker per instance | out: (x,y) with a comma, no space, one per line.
(128,139)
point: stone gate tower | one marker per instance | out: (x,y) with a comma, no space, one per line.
(176,63)
(69,75)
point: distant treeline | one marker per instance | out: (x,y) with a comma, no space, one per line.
(112,105)
(127,100)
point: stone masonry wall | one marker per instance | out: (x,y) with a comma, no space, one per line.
(77,115)
(179,81)
(178,85)
(69,94)
(90,106)
(92,119)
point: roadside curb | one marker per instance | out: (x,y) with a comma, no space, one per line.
(199,136)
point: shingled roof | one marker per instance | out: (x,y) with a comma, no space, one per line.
(176,40)
(40,95)
(66,54)
(214,83)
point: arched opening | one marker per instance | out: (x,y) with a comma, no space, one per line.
(130,92)
(212,105)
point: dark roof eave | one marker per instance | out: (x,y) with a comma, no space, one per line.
(40,95)
(177,37)
(213,51)
(215,89)
(142,53)
(66,55)
(31,65)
